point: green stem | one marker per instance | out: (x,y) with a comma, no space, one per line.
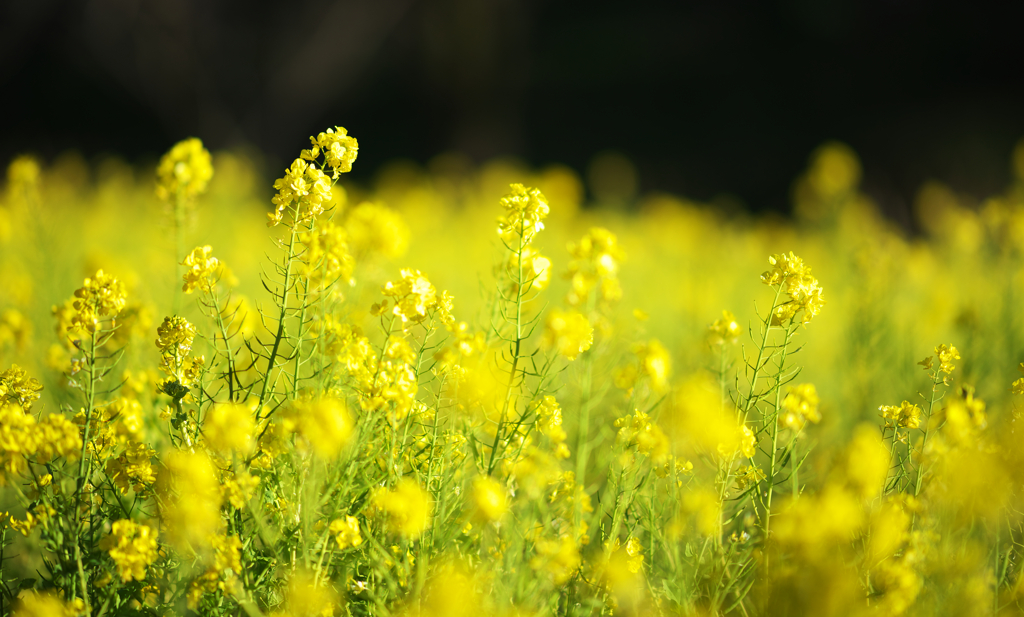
(281,318)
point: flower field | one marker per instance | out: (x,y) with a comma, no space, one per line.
(467,390)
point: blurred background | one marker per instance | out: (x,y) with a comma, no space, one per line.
(721,101)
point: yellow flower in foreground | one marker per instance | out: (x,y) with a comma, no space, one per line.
(568,332)
(306,597)
(409,508)
(490,499)
(132,547)
(192,497)
(230,426)
(325,423)
(35,604)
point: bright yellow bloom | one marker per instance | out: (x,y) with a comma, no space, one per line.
(303,188)
(17,387)
(413,295)
(569,333)
(229,427)
(57,436)
(34,604)
(904,415)
(338,148)
(804,291)
(323,422)
(185,170)
(100,296)
(525,208)
(409,508)
(201,269)
(346,532)
(946,357)
(305,597)
(132,547)
(800,406)
(489,498)
(635,551)
(133,468)
(191,499)
(640,431)
(174,337)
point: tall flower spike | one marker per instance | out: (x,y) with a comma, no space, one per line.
(525,209)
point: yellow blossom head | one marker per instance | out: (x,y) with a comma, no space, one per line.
(489,498)
(325,423)
(202,270)
(569,333)
(229,427)
(132,547)
(525,209)
(409,508)
(184,171)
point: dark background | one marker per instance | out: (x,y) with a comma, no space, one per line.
(708,98)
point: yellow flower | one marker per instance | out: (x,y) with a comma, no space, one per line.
(191,499)
(133,468)
(201,270)
(305,597)
(804,291)
(100,296)
(34,604)
(724,330)
(525,208)
(338,148)
(185,170)
(413,295)
(239,487)
(489,498)
(409,508)
(800,406)
(325,423)
(304,188)
(904,415)
(174,336)
(17,387)
(374,229)
(346,532)
(567,332)
(132,547)
(229,427)
(946,357)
